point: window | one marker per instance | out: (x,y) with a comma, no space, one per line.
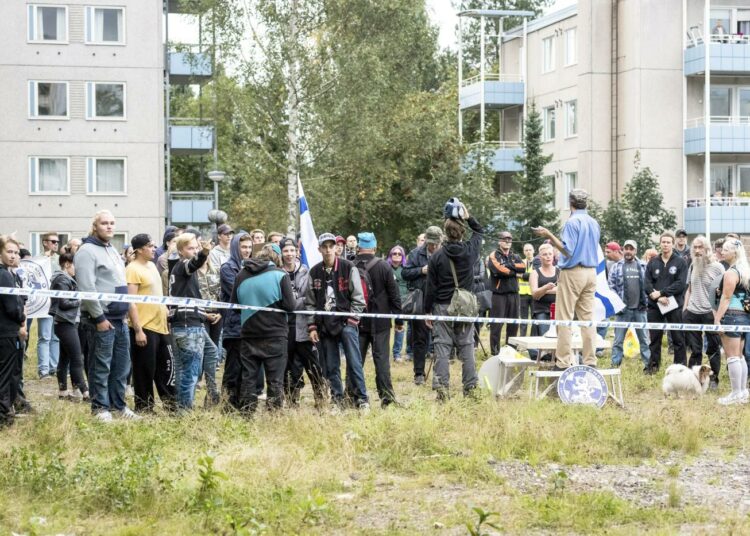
(548,54)
(49,175)
(720,21)
(721,102)
(106,175)
(118,241)
(743,178)
(550,180)
(571,118)
(571,50)
(48,24)
(105,25)
(721,179)
(48,100)
(549,123)
(35,241)
(744,97)
(571,183)
(105,100)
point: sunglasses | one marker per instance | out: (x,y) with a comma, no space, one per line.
(53,241)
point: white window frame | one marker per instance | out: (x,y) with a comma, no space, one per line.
(568,60)
(89,31)
(91,181)
(31,24)
(91,101)
(124,240)
(33,89)
(568,122)
(567,176)
(545,69)
(35,241)
(34,175)
(545,124)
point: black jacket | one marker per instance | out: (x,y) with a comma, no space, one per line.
(64,309)
(12,315)
(504,271)
(669,279)
(412,271)
(439,285)
(228,272)
(385,294)
(183,283)
(348,297)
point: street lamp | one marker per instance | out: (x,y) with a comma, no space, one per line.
(217,217)
(216,177)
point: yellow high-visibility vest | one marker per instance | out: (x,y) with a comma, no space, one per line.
(524,289)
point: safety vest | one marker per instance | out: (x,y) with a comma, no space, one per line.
(524,289)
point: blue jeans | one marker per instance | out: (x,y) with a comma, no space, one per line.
(630,315)
(398,344)
(48,346)
(109,364)
(349,339)
(194,352)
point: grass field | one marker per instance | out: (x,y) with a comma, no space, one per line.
(538,467)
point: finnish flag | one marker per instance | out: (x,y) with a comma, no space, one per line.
(607,302)
(309,254)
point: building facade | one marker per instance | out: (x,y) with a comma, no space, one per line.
(612,78)
(83,117)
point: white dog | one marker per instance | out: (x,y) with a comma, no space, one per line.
(680,379)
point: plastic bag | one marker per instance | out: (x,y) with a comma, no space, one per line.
(630,346)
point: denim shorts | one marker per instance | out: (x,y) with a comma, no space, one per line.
(735,318)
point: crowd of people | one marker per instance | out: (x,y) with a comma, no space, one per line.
(106,348)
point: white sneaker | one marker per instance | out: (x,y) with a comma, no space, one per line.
(128,414)
(75,395)
(731,399)
(745,397)
(103,416)
(364,408)
(263,396)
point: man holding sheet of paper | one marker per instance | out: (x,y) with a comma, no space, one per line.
(665,287)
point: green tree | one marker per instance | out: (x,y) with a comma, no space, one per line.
(639,214)
(532,201)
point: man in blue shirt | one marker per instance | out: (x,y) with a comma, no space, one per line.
(576,286)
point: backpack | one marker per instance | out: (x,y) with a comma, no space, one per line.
(364,275)
(463,302)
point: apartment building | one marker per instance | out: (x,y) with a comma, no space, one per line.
(613,78)
(83,117)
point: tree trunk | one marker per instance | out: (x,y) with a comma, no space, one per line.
(292,113)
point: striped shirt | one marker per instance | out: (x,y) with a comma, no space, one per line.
(700,301)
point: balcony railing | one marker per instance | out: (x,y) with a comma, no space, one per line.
(492,77)
(718,120)
(695,39)
(493,145)
(715,201)
(191,207)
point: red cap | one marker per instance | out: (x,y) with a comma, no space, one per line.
(340,239)
(614,246)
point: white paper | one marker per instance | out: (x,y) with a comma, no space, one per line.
(671,305)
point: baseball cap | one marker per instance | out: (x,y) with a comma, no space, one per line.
(287,242)
(681,232)
(326,237)
(340,239)
(505,234)
(367,240)
(631,243)
(614,246)
(225,229)
(140,240)
(433,235)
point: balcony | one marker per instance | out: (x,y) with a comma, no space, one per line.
(189,67)
(728,135)
(190,139)
(728,215)
(730,55)
(500,91)
(501,156)
(190,207)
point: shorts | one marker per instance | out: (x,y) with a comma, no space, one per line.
(735,318)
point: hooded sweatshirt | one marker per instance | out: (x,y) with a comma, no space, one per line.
(12,315)
(300,280)
(262,284)
(163,248)
(439,285)
(228,273)
(99,268)
(64,309)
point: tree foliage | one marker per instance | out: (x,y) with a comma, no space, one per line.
(532,202)
(639,214)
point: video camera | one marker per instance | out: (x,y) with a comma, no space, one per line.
(454,209)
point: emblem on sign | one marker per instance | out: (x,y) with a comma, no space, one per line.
(582,385)
(33,273)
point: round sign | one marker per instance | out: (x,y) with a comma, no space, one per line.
(33,275)
(582,384)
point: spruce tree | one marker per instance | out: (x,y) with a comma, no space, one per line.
(531,203)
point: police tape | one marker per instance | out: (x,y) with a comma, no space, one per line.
(211,304)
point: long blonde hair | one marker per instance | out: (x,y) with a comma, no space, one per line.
(740,260)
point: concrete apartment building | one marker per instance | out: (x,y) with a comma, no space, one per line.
(615,77)
(83,117)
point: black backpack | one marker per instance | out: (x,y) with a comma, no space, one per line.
(364,274)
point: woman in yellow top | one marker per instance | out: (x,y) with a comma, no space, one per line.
(150,348)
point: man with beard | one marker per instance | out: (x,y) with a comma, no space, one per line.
(697,309)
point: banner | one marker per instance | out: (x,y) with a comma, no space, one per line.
(36,273)
(606,303)
(309,254)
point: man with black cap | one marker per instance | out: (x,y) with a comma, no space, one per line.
(505,267)
(681,247)
(335,285)
(220,254)
(386,299)
(415,274)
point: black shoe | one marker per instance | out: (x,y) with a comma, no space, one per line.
(419,379)
(650,371)
(443,395)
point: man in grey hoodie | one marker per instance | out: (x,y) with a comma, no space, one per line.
(99,268)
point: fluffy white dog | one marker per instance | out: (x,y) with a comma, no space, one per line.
(681,379)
